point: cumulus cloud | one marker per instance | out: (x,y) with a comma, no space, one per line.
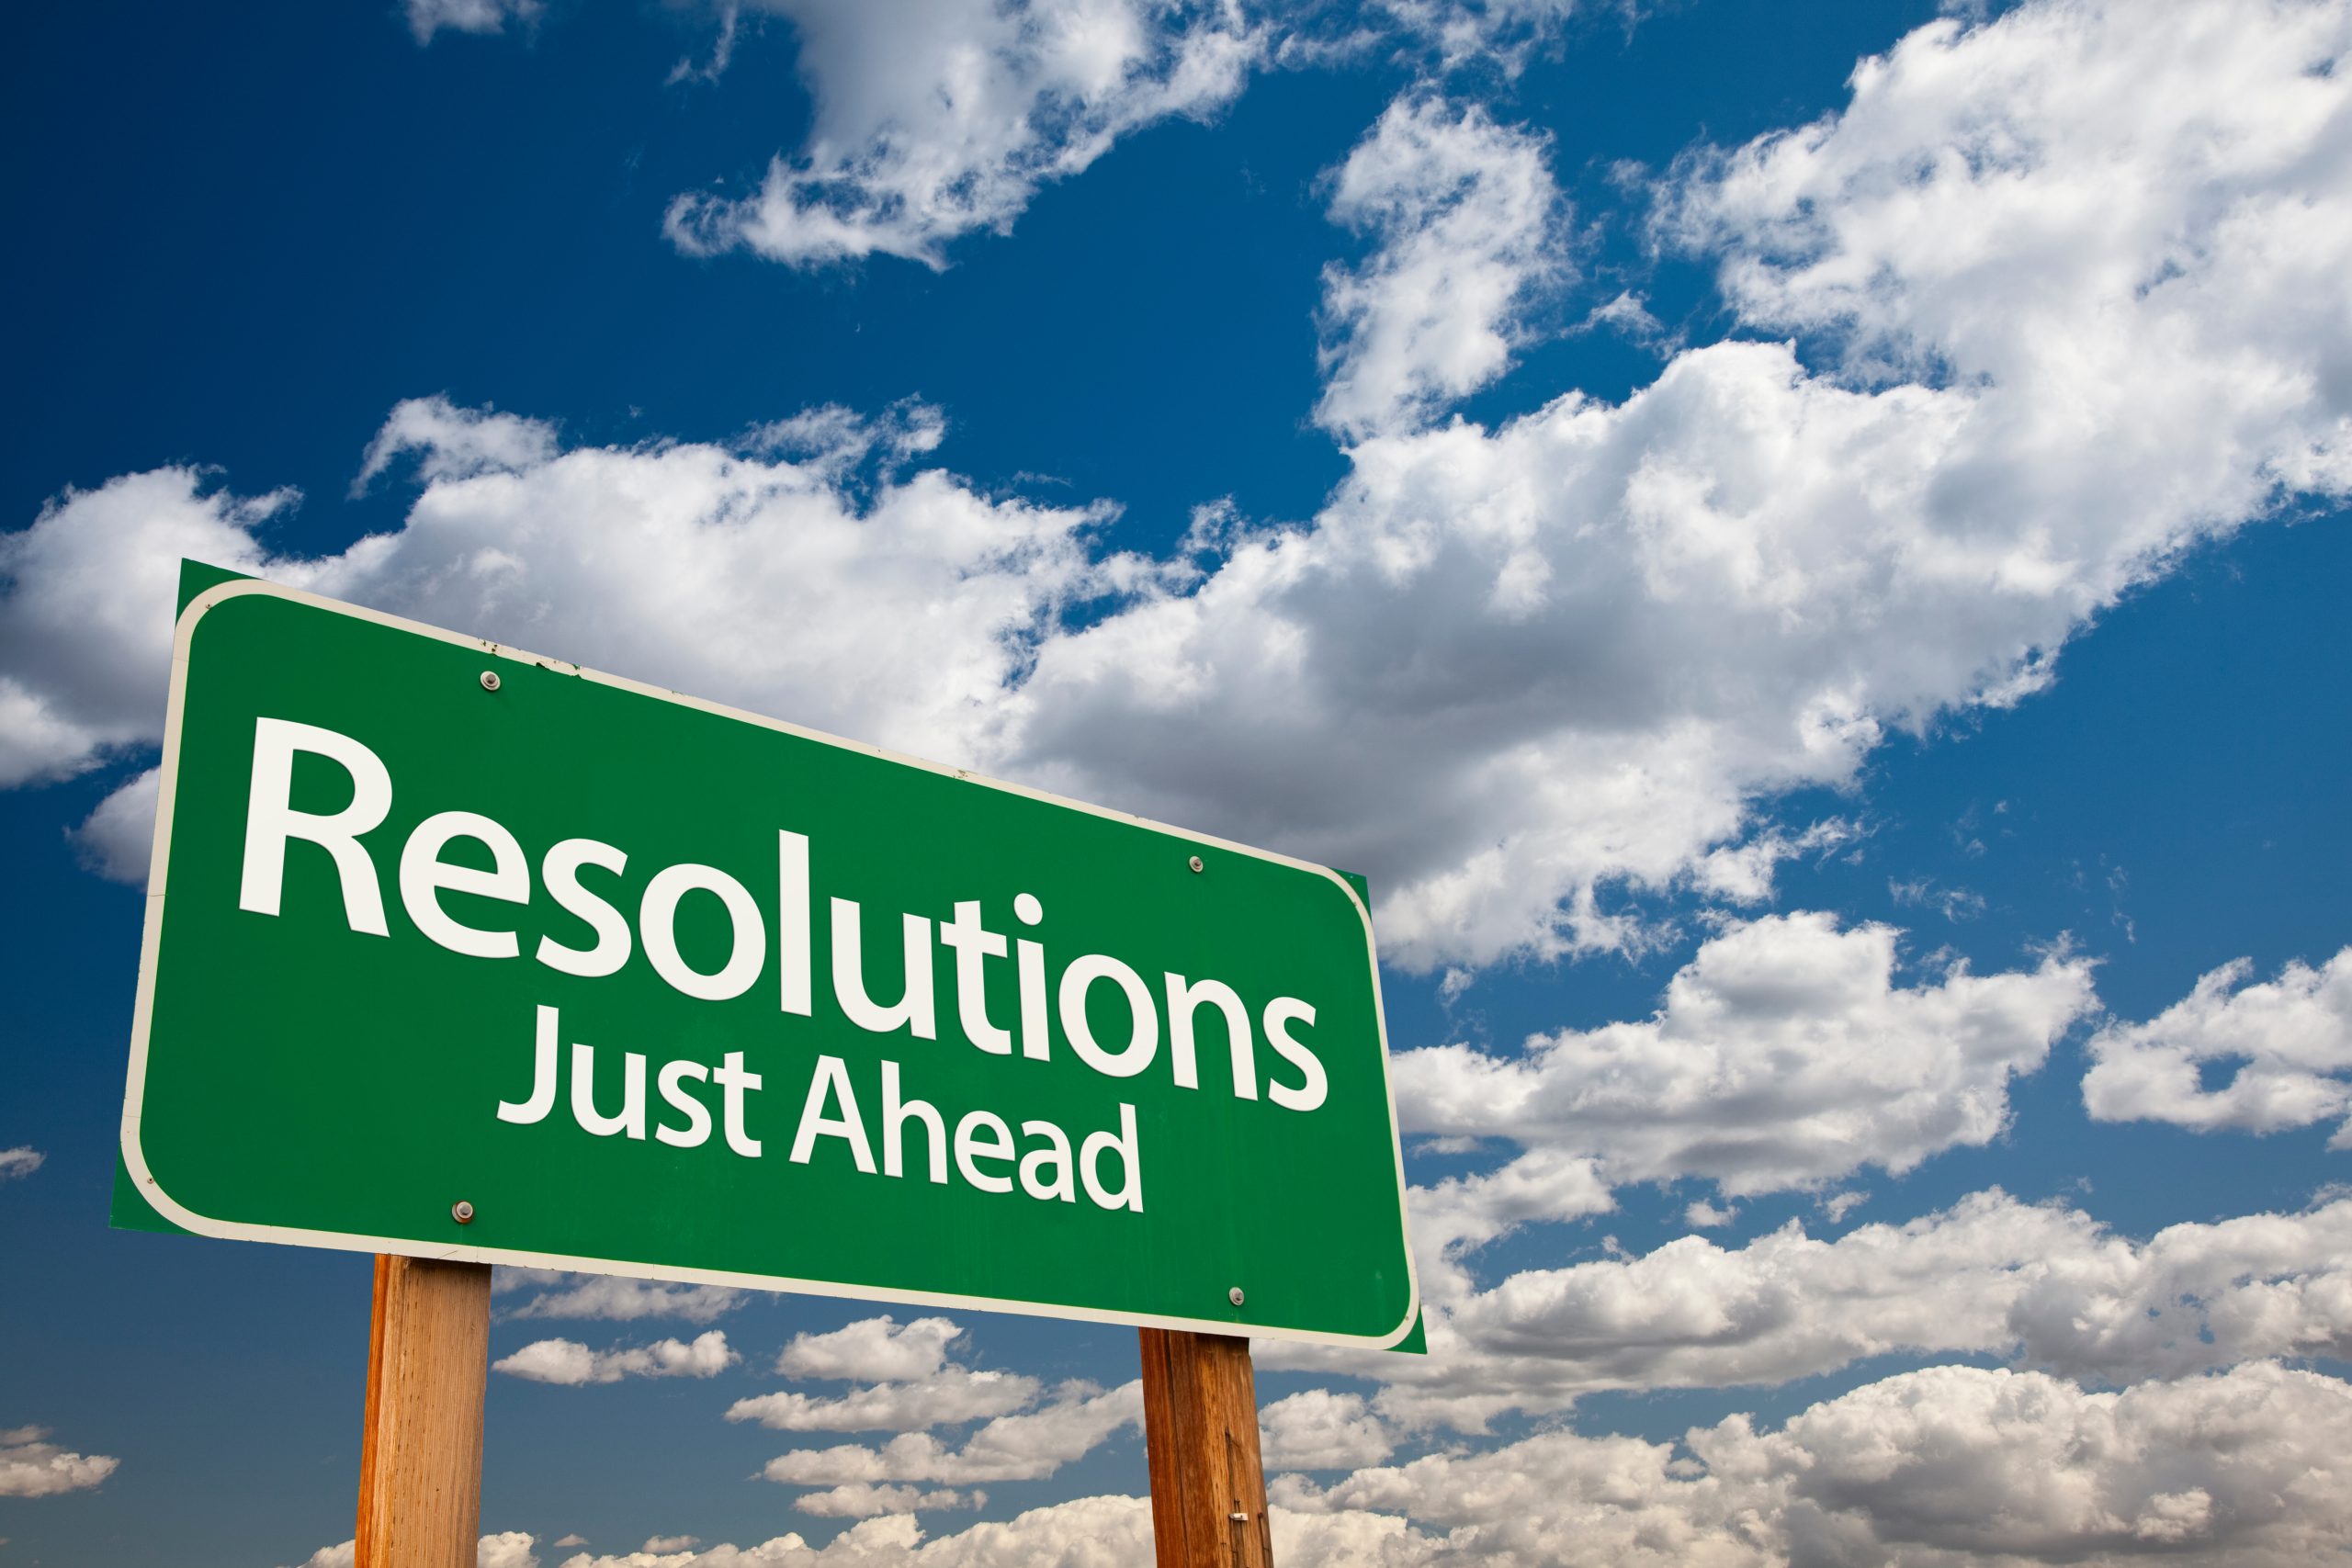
(118,840)
(2289,1039)
(659,1544)
(569,1362)
(22,1160)
(427,18)
(2072,286)
(1468,229)
(85,629)
(1318,1429)
(2038,1285)
(1784,1054)
(936,120)
(1941,1467)
(949,1397)
(2070,282)
(860,1500)
(872,1349)
(453,442)
(509,1548)
(736,573)
(1079,1418)
(31,1466)
(1947,1465)
(1080,1533)
(612,1297)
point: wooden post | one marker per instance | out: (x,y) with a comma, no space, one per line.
(1200,1428)
(420,1459)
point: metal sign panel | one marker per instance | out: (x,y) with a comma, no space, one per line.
(456,952)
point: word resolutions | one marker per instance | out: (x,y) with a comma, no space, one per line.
(775,944)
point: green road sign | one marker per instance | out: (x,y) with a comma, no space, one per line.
(456,952)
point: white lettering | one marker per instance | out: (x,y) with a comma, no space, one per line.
(270,820)
(697,1131)
(561,871)
(831,1080)
(1122,1143)
(1143,1038)
(974,944)
(1056,1154)
(913,1009)
(1280,1013)
(731,1077)
(895,1115)
(424,874)
(656,927)
(969,1149)
(543,1073)
(1183,1000)
(793,985)
(631,1119)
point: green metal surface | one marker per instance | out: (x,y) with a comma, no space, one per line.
(298,1079)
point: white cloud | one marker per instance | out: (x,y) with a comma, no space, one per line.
(453,442)
(118,840)
(509,1548)
(2039,1285)
(659,1544)
(22,1160)
(1469,232)
(1028,1447)
(1946,1466)
(427,18)
(1934,1469)
(945,1398)
(1500,31)
(563,1540)
(1318,1429)
(1520,676)
(1784,1054)
(86,628)
(1704,1215)
(872,1349)
(859,1500)
(31,1466)
(934,118)
(728,573)
(613,1298)
(1507,671)
(569,1362)
(2290,1039)
(1086,1532)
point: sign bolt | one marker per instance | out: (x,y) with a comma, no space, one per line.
(461,1210)
(489,680)
(1195,863)
(1234,1295)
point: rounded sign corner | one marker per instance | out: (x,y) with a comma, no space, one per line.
(151,1191)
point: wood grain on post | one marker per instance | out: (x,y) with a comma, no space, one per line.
(420,1459)
(1200,1425)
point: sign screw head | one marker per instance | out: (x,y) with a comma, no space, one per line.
(462,1211)
(1234,1295)
(1195,863)
(489,680)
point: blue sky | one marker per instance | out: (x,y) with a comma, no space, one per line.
(1803,556)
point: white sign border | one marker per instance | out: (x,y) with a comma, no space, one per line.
(202,1225)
